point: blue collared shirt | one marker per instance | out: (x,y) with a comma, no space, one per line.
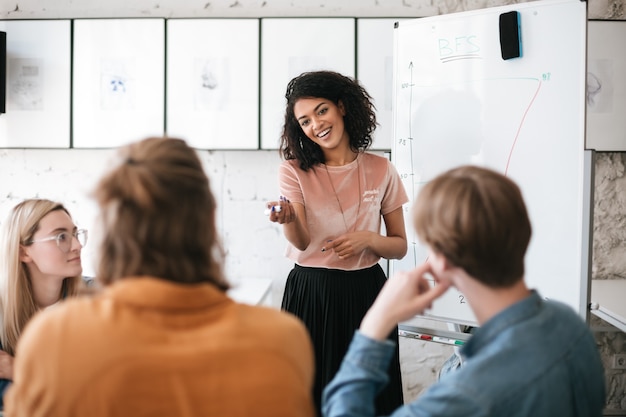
(536,358)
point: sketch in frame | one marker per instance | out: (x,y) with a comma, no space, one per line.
(38,84)
(119,81)
(213,85)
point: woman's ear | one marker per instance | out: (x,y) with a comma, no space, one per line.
(24,255)
(342,108)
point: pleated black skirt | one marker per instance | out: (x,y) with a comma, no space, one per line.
(332,303)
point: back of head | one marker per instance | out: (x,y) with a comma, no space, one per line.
(157,216)
(360,119)
(16,293)
(477,219)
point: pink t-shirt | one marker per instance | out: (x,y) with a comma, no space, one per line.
(370,179)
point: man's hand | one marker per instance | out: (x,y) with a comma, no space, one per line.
(404,295)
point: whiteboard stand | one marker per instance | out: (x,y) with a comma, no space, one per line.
(428,329)
(451,338)
(586,256)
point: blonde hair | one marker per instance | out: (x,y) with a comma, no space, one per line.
(477,219)
(16,293)
(157,216)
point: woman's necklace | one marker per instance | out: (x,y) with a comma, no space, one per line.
(358,173)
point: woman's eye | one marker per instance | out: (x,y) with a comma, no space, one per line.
(324,110)
(62,237)
(304,123)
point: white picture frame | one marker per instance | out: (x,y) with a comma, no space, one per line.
(606,85)
(119,81)
(290,46)
(213,83)
(374,69)
(38,84)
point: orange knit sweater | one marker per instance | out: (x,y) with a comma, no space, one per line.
(149,347)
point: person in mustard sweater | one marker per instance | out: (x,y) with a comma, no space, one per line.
(161,338)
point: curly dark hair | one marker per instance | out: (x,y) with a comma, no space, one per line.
(359,121)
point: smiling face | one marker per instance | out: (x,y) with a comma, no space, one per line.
(45,261)
(321,121)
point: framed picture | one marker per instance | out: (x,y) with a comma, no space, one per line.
(291,46)
(374,69)
(213,83)
(606,85)
(119,81)
(38,59)
(3,71)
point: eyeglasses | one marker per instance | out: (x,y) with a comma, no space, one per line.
(64,239)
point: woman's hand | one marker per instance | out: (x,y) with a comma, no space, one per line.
(293,218)
(349,244)
(281,211)
(391,246)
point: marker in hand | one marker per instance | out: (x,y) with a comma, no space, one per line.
(274,208)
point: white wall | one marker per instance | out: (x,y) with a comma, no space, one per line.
(243,180)
(36,9)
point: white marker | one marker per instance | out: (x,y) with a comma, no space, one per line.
(269,211)
(448,341)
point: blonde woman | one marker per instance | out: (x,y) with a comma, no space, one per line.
(39,265)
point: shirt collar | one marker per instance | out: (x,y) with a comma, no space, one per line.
(151,292)
(516,313)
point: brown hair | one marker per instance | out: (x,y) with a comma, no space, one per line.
(157,216)
(477,219)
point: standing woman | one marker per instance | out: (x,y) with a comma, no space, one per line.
(333,197)
(39,265)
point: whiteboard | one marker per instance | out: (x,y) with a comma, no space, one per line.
(456,102)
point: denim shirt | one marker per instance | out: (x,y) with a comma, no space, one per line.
(536,358)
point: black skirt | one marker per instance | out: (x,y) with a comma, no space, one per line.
(332,303)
